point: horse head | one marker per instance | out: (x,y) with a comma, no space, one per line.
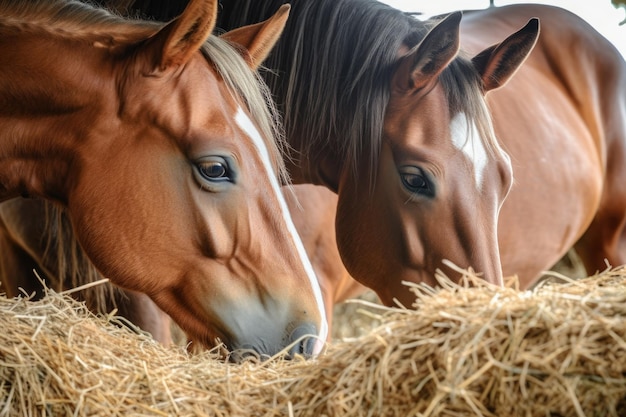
(441,176)
(167,158)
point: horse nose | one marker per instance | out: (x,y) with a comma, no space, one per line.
(304,340)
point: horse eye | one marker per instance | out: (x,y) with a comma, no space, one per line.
(214,170)
(414,182)
(417,183)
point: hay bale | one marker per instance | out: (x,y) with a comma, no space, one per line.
(559,350)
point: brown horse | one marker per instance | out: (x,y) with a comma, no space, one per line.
(384,112)
(313,209)
(158,142)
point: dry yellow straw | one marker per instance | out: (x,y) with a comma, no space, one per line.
(559,350)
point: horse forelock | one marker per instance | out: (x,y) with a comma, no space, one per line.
(348,87)
(463,88)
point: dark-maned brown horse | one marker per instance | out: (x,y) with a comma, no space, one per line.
(383,111)
(158,142)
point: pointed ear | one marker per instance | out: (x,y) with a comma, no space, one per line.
(260,38)
(174,44)
(497,64)
(424,62)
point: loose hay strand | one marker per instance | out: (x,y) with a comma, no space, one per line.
(465,349)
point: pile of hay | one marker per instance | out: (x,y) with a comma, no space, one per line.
(356,317)
(559,350)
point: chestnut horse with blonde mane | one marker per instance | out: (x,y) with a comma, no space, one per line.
(158,141)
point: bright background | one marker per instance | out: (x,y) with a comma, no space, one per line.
(599,13)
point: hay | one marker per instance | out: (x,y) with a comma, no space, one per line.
(356,317)
(559,350)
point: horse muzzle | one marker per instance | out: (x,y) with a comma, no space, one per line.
(303,340)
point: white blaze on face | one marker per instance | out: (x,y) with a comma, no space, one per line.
(467,139)
(248,127)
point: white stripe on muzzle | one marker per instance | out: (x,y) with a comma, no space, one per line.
(247,126)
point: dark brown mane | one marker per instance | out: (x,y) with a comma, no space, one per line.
(331,72)
(335,59)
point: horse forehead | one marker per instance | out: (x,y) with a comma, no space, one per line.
(466,138)
(183,104)
(254,143)
(420,118)
(245,124)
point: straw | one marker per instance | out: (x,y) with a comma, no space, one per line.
(465,349)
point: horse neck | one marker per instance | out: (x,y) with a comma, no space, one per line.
(48,99)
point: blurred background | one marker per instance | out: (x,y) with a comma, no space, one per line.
(604,15)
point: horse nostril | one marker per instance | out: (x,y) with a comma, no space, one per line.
(305,335)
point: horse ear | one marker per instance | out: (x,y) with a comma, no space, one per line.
(175,43)
(497,64)
(260,38)
(425,61)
